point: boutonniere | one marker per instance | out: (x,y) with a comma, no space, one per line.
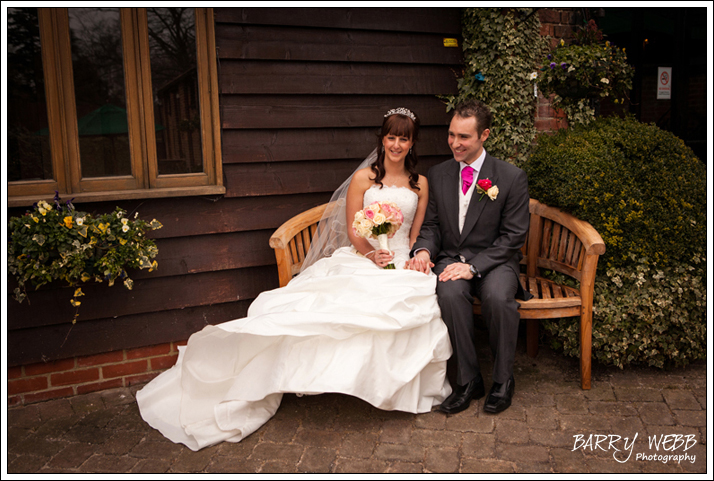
(485,187)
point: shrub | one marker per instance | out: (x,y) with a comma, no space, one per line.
(644,191)
(641,187)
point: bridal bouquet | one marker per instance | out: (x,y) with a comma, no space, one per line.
(379,220)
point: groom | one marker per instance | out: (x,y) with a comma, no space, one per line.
(472,235)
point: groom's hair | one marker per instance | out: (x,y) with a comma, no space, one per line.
(474,108)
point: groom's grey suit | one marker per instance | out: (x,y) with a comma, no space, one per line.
(494,232)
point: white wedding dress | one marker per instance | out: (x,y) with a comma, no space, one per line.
(343,325)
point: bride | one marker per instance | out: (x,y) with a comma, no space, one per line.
(344,324)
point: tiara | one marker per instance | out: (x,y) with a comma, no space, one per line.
(402,111)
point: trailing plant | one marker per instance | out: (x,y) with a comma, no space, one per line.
(502,50)
(584,70)
(644,191)
(55,242)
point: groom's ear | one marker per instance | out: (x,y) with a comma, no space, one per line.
(485,134)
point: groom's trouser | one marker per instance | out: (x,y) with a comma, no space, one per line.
(499,309)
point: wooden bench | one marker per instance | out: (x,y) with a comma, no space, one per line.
(556,241)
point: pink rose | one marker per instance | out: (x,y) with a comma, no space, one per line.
(485,184)
(369,213)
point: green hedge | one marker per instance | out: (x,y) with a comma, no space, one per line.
(644,191)
(641,187)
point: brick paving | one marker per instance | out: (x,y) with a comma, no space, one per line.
(102,432)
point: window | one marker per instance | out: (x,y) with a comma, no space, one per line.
(112,103)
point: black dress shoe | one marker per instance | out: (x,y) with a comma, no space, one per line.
(462,396)
(499,398)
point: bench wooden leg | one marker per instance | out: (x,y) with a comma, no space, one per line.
(532,337)
(586,338)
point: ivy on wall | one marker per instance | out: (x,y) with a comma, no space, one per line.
(502,50)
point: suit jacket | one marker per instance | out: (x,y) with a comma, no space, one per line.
(494,230)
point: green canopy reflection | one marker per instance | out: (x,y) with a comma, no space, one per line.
(106,120)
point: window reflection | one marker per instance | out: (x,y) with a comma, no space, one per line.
(174,79)
(97,64)
(28,143)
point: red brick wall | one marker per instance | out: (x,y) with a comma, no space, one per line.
(43,381)
(557,23)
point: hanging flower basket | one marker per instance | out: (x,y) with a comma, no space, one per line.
(587,68)
(55,242)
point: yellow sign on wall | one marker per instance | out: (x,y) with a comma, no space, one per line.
(451,42)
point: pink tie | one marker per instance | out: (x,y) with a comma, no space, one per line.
(467,175)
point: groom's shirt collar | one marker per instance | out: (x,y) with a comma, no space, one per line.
(476,164)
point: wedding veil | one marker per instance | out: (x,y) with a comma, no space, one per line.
(331,233)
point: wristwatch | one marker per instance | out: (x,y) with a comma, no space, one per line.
(473,270)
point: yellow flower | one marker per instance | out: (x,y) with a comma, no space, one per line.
(79,292)
(85,277)
(122,241)
(35,219)
(75,303)
(68,222)
(562,42)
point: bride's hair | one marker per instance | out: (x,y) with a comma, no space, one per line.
(403,126)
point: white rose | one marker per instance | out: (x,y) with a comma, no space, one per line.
(379,218)
(365,230)
(493,192)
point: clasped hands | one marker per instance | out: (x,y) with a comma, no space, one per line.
(422,263)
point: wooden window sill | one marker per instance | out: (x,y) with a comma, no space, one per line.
(28,200)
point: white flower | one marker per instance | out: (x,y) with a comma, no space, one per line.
(124,221)
(125,228)
(379,218)
(571,68)
(533,76)
(80,221)
(492,192)
(604,80)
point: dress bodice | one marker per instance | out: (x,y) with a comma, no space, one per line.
(407,200)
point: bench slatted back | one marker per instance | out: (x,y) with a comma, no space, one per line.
(550,244)
(558,241)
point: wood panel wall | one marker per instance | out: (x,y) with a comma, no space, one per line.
(302,95)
